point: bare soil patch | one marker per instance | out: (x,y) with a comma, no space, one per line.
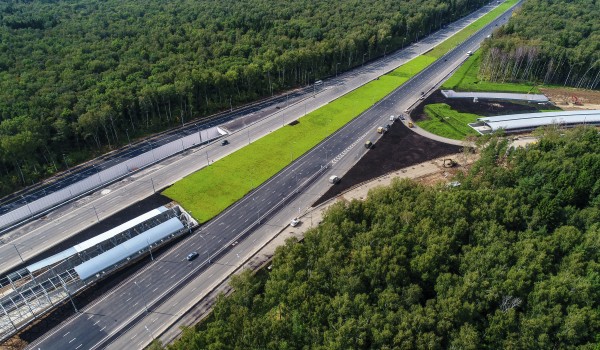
(486,108)
(573,99)
(398,148)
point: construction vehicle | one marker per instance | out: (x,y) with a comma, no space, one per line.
(449,163)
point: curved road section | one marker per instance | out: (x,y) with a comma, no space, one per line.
(135,301)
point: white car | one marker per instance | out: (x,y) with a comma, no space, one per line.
(294,222)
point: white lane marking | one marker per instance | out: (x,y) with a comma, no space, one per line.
(66,334)
(72,340)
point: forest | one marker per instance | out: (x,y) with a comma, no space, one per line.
(81,77)
(510,259)
(552,42)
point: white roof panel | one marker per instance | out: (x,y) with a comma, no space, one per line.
(116,230)
(51,260)
(528,121)
(95,240)
(128,248)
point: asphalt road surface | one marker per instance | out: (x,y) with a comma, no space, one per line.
(108,320)
(33,238)
(85,170)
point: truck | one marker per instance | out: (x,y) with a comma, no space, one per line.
(334,179)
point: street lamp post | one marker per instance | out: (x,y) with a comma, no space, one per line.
(384,50)
(128,139)
(143,296)
(257,210)
(149,332)
(67,164)
(336,69)
(14,245)
(96,212)
(363,63)
(150,249)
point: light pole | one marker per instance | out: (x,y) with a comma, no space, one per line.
(257,210)
(384,50)
(150,249)
(14,245)
(96,212)
(128,139)
(364,54)
(336,68)
(67,164)
(149,332)
(143,296)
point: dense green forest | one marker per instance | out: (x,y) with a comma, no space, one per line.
(79,77)
(547,41)
(508,260)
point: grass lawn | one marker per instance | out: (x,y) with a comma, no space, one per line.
(465,79)
(447,122)
(210,190)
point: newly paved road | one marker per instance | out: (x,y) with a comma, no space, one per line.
(110,316)
(65,222)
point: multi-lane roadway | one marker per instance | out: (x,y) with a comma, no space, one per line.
(32,239)
(108,320)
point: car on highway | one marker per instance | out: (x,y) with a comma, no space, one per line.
(469,53)
(295,222)
(191,256)
(224,142)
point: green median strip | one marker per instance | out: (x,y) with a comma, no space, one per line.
(210,190)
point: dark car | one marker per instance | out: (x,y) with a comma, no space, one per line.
(192,256)
(224,142)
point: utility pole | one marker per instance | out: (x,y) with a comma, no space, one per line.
(96,212)
(143,296)
(128,139)
(150,249)
(14,245)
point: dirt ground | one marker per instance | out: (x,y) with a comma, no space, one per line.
(573,99)
(398,148)
(483,107)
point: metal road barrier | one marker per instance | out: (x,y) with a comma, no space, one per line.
(55,199)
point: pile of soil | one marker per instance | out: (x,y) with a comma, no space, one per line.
(486,108)
(398,148)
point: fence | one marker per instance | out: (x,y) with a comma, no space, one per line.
(107,176)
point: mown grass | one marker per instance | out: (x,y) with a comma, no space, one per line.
(210,190)
(447,122)
(466,79)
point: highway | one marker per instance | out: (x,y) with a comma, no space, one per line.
(90,168)
(239,228)
(34,238)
